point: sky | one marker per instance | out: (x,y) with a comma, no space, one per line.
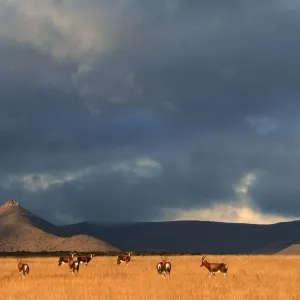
(137,110)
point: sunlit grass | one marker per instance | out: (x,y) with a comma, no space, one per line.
(249,277)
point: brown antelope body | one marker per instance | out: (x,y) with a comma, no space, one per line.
(65,259)
(214,267)
(85,259)
(23,269)
(164,267)
(124,258)
(73,265)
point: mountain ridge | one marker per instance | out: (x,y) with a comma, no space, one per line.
(20,230)
(168,236)
(195,236)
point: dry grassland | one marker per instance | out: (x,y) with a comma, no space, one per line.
(249,277)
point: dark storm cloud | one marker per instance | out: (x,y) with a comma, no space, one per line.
(161,105)
(249,54)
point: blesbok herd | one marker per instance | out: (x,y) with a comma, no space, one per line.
(74,264)
(163,267)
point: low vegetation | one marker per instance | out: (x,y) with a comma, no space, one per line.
(249,277)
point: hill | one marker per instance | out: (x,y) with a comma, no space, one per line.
(273,248)
(20,230)
(194,236)
(291,250)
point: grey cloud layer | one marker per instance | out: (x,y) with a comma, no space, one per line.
(136,106)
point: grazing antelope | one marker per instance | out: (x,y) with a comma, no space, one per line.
(23,269)
(73,265)
(214,267)
(85,259)
(124,258)
(164,267)
(65,259)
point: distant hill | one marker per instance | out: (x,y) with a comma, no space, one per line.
(194,236)
(291,250)
(20,230)
(273,248)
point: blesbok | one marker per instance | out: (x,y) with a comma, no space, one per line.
(124,258)
(65,259)
(164,267)
(214,267)
(23,269)
(85,259)
(73,265)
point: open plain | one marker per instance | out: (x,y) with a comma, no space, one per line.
(249,277)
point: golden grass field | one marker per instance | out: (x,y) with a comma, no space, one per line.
(249,277)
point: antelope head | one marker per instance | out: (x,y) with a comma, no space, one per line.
(163,259)
(203,259)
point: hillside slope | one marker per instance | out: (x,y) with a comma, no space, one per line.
(291,250)
(20,230)
(194,236)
